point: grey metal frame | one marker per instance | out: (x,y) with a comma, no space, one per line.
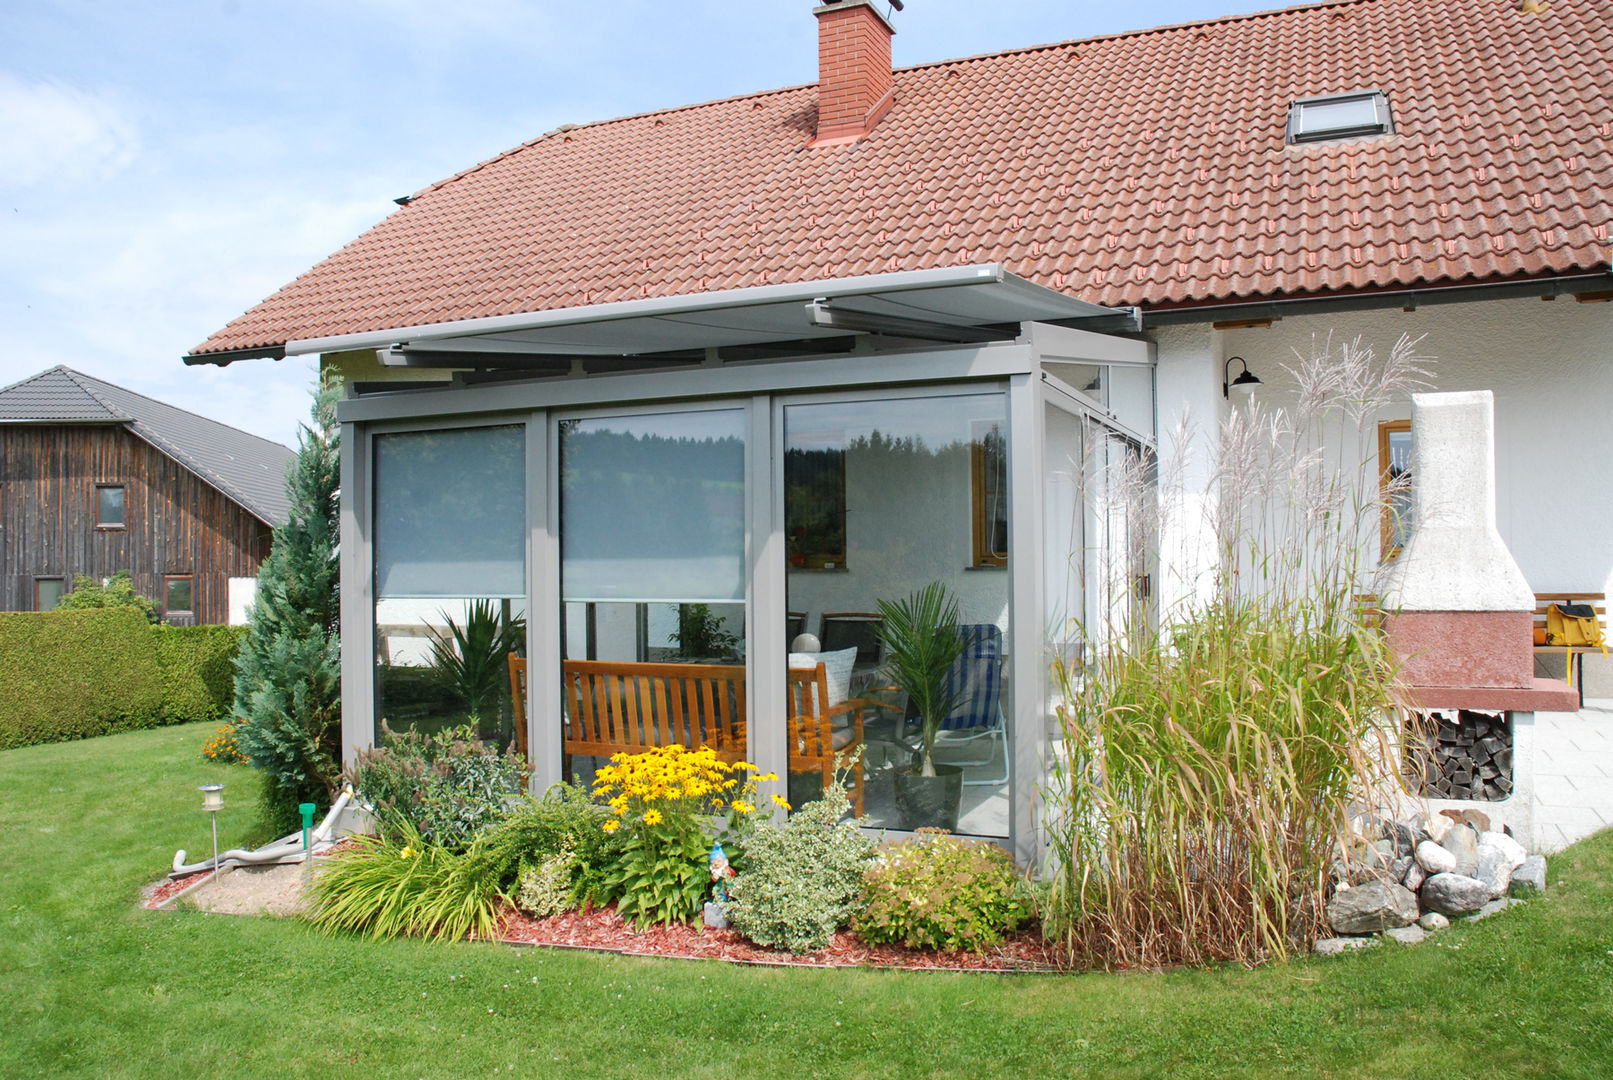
(762,390)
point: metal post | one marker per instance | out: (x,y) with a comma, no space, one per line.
(307,811)
(214,815)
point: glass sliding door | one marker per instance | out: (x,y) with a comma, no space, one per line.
(450,577)
(652,583)
(883,496)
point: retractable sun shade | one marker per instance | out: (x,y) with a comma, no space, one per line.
(949,304)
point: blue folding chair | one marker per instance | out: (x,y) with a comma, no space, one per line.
(977,676)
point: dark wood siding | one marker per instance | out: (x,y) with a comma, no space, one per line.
(175,522)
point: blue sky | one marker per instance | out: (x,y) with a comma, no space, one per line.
(164,166)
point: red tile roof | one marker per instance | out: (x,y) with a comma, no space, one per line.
(1146,168)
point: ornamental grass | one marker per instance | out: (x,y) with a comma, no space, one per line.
(1213,754)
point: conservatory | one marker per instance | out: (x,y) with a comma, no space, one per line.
(681,520)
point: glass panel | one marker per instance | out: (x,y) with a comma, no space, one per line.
(925,484)
(177,594)
(450,577)
(1351,114)
(1397,486)
(109,506)
(1131,396)
(1064,508)
(47,593)
(652,579)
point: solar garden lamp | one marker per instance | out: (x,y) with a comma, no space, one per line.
(307,811)
(213,802)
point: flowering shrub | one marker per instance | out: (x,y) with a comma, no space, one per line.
(223,748)
(670,803)
(939,892)
(448,785)
(802,880)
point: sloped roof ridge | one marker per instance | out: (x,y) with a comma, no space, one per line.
(1020,50)
(1120,35)
(82,381)
(80,378)
(68,373)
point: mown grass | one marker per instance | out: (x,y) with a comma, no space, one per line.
(94,986)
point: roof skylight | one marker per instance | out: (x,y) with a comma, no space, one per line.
(1339,116)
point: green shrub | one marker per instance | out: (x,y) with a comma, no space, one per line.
(399,884)
(939,892)
(546,888)
(802,880)
(118,591)
(197,667)
(446,786)
(563,819)
(74,674)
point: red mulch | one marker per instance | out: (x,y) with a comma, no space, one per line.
(604,930)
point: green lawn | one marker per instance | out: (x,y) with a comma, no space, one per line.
(93,986)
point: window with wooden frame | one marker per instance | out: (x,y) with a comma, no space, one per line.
(815,501)
(48,592)
(177,594)
(988,487)
(1394,470)
(109,506)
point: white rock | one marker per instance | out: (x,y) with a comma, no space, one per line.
(1415,876)
(1406,935)
(1437,826)
(1435,859)
(1334,945)
(1433,920)
(1499,856)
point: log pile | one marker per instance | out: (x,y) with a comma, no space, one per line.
(1461,754)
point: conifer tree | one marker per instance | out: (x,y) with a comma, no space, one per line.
(288,673)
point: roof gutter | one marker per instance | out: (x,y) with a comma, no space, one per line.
(225,357)
(1407,299)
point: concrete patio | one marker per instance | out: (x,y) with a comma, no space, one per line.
(1573,774)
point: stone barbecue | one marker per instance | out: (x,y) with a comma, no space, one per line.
(1459,619)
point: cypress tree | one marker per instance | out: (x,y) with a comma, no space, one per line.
(288,690)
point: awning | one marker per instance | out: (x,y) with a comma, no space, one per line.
(963,303)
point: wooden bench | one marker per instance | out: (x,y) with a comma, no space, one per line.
(627,708)
(1574,653)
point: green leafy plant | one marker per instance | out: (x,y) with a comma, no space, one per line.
(939,892)
(74,674)
(803,879)
(446,787)
(288,682)
(399,884)
(117,591)
(473,657)
(921,643)
(563,819)
(197,667)
(700,634)
(546,888)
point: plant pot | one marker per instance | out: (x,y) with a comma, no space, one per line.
(929,802)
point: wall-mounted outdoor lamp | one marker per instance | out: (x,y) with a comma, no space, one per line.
(1245,382)
(213,802)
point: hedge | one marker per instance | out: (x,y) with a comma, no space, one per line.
(74,674)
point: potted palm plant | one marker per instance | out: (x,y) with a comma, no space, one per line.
(921,643)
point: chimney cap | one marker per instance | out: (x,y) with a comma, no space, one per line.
(842,5)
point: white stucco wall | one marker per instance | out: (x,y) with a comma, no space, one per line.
(1550,366)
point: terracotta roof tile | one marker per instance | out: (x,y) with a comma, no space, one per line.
(1146,168)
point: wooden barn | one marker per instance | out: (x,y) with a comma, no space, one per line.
(95,479)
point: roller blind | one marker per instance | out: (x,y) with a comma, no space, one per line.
(652,508)
(450,513)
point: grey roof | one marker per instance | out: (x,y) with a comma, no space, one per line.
(248,469)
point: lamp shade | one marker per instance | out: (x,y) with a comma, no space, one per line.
(212,796)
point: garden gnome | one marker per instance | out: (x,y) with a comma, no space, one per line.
(714,914)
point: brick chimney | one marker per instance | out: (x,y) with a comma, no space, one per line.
(855,84)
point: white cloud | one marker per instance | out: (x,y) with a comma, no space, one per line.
(53,133)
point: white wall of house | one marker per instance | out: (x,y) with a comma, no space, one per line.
(1550,366)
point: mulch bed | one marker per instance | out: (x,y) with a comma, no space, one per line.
(603,930)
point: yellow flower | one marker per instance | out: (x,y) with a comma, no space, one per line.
(406,853)
(652,817)
(778,800)
(612,825)
(743,807)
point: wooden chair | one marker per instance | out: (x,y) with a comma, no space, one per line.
(518,700)
(815,737)
(843,629)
